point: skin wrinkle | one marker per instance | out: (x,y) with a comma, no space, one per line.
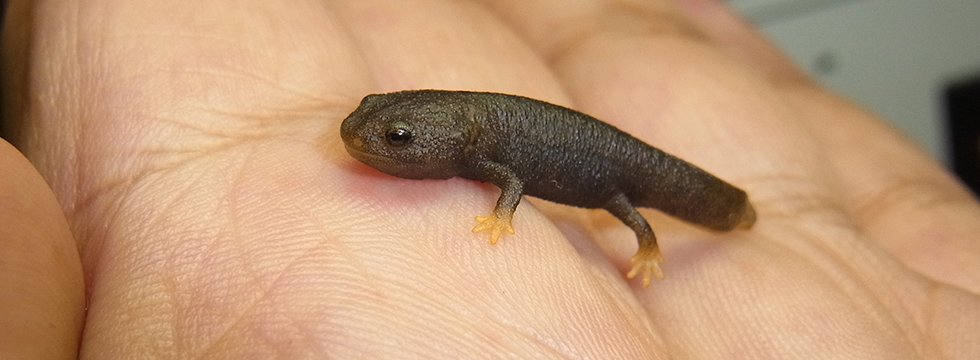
(890,297)
(898,192)
(266,293)
(858,270)
(798,203)
(573,30)
(870,189)
(130,197)
(230,328)
(882,295)
(243,314)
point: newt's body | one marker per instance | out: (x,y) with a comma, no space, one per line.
(527,146)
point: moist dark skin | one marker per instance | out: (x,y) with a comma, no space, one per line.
(531,147)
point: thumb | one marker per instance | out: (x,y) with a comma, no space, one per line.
(42,303)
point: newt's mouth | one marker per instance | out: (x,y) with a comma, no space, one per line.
(402,166)
(366,157)
(413,169)
(374,160)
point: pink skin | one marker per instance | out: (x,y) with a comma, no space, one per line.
(193,148)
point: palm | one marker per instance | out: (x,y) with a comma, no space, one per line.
(218,215)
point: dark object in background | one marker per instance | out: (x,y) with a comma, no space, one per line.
(3,17)
(963,114)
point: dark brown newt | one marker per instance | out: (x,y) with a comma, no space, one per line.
(527,146)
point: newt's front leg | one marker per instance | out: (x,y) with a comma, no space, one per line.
(511,189)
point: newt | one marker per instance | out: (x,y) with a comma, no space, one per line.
(531,147)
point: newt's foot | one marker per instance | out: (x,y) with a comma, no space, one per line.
(496,225)
(647,262)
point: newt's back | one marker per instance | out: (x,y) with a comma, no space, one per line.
(569,157)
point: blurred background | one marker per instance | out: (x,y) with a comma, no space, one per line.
(914,62)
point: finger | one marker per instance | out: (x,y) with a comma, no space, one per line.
(898,195)
(723,25)
(42,301)
(467,49)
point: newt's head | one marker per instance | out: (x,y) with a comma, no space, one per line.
(409,134)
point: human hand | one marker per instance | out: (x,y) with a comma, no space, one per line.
(194,149)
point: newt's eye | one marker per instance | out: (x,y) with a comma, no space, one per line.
(398,135)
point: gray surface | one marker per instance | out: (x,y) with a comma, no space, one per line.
(893,56)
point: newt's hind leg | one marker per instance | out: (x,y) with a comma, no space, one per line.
(648,258)
(496,223)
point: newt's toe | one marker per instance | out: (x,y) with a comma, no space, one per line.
(496,225)
(647,262)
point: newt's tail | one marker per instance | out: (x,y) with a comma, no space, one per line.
(721,207)
(716,209)
(748,217)
(695,196)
